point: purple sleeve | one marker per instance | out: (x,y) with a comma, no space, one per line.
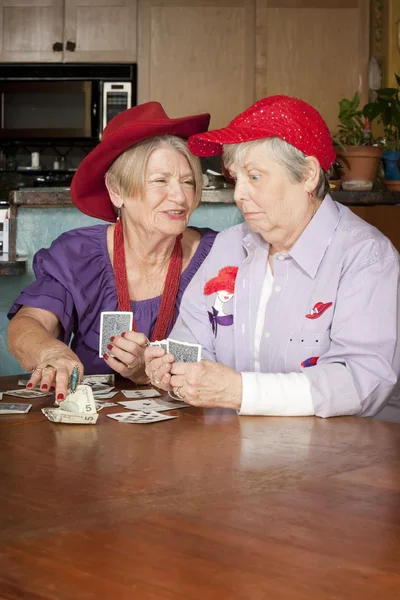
(49,292)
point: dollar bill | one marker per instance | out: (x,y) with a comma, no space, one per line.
(57,415)
(77,408)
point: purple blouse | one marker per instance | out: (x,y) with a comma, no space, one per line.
(75,281)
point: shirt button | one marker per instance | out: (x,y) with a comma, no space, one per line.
(278,288)
(280,257)
(267,334)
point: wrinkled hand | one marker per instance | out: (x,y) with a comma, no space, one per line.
(54,370)
(158,367)
(207,384)
(128,356)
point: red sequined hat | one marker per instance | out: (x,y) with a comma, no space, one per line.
(88,190)
(290,119)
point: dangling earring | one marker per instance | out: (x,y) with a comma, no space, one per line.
(119,213)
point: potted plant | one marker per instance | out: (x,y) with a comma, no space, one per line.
(356,154)
(386,109)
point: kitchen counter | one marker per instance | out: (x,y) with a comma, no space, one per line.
(61,197)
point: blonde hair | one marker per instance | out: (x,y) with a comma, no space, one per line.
(288,156)
(126,176)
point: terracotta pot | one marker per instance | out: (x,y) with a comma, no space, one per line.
(359,166)
(392,185)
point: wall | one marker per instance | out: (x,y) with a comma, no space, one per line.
(37,227)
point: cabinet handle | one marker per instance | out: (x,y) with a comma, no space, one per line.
(71,46)
(58,47)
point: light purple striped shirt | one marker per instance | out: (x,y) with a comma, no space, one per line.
(333,313)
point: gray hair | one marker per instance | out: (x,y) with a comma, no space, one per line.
(292,159)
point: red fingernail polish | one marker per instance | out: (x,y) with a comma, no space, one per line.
(44,386)
(112,338)
(29,385)
(105,356)
(123,334)
(60,396)
(109,347)
(52,389)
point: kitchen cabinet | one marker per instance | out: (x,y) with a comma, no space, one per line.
(315,50)
(68,30)
(197,56)
(29,29)
(384,218)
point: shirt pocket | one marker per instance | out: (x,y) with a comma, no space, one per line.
(304,348)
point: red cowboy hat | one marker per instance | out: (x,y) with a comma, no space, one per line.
(290,119)
(88,190)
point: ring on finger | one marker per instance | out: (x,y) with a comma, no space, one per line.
(49,367)
(37,369)
(156,381)
(132,365)
(177,393)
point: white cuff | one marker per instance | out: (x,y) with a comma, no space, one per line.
(276,394)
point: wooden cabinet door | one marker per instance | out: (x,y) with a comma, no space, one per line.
(316,50)
(197,56)
(29,29)
(384,218)
(100,31)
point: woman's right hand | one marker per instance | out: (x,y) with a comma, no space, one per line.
(54,369)
(158,367)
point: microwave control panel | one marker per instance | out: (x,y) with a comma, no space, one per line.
(117,97)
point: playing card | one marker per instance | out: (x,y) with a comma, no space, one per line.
(141,394)
(151,404)
(161,344)
(10,408)
(140,417)
(100,388)
(100,405)
(112,324)
(23,381)
(107,396)
(27,393)
(106,379)
(183,351)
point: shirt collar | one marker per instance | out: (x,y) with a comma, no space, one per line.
(317,236)
(309,249)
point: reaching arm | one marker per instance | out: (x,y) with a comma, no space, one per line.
(32,339)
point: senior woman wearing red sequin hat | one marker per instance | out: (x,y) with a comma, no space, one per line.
(142,176)
(310,325)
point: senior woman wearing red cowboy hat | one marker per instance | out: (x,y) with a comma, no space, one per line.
(143,177)
(314,313)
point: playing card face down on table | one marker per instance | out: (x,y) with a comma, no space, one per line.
(113,324)
(14,408)
(78,408)
(140,416)
(21,393)
(140,394)
(184,351)
(152,404)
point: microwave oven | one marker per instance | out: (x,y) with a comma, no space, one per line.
(72,101)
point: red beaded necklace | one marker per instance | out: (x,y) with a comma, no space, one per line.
(171,285)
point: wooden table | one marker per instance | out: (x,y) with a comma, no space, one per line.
(206,506)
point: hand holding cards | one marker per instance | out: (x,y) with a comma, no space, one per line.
(111,325)
(77,408)
(183,351)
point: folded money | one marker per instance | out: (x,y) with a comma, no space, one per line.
(78,408)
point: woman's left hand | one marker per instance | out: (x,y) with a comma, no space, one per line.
(207,384)
(127,360)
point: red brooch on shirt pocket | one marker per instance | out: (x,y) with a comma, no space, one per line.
(318,310)
(310,362)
